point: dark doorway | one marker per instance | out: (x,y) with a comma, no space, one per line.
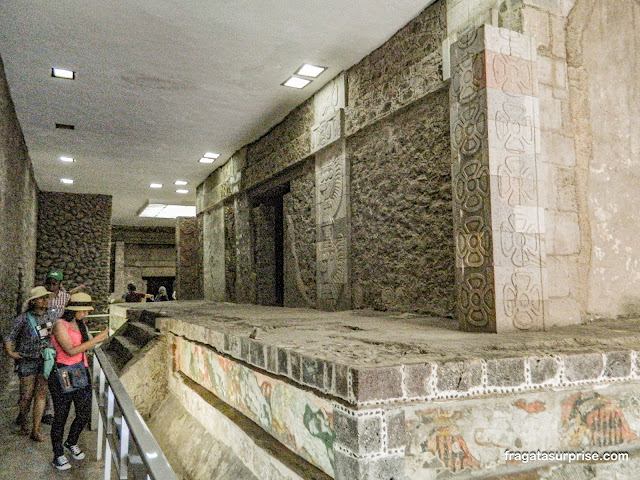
(154,283)
(269,245)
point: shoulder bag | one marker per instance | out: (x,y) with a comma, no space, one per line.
(72,377)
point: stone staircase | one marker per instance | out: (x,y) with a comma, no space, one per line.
(129,339)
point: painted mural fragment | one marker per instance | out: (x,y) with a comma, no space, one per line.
(590,419)
(462,437)
(439,440)
(301,421)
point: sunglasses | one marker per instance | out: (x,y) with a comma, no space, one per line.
(51,281)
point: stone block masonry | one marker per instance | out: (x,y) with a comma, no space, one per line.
(74,231)
(18,213)
(365,402)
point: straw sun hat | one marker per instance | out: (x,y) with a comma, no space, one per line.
(80,301)
(37,292)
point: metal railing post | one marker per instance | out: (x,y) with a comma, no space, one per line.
(116,408)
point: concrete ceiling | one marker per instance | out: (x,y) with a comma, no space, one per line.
(161,82)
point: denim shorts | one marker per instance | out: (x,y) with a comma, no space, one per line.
(25,367)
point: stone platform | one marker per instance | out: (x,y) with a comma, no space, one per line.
(364,394)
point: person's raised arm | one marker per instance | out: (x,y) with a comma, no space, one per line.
(77,289)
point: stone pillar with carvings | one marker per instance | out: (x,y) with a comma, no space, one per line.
(332,197)
(498,222)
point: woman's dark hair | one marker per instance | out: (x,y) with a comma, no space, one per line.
(69,315)
(131,287)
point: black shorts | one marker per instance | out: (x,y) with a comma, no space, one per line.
(25,367)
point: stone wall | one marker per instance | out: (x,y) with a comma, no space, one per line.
(189,262)
(264,254)
(213,267)
(393,125)
(403,252)
(299,239)
(74,231)
(138,252)
(146,235)
(404,69)
(18,213)
(597,193)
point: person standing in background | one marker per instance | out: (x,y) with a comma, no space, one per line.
(25,342)
(60,296)
(162,295)
(133,296)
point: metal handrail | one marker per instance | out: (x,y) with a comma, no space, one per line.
(118,420)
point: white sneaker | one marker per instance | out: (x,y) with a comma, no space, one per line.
(75,451)
(61,463)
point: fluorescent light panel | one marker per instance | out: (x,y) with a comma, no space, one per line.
(207,160)
(162,210)
(308,70)
(155,185)
(67,181)
(63,73)
(66,159)
(180,190)
(296,82)
(180,182)
(211,155)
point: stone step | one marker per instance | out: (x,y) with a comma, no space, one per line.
(140,333)
(149,318)
(120,350)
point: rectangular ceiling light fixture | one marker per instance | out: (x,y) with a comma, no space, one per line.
(209,157)
(179,182)
(67,181)
(163,210)
(296,82)
(155,185)
(63,73)
(66,159)
(308,70)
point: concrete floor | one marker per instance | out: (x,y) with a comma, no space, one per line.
(24,459)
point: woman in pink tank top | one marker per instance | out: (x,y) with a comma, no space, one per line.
(71,341)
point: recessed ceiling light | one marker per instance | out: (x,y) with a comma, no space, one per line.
(68,181)
(308,70)
(155,185)
(182,191)
(207,160)
(179,182)
(296,82)
(161,210)
(66,159)
(63,73)
(211,155)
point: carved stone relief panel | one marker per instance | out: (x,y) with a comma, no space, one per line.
(499,226)
(331,185)
(328,101)
(328,108)
(333,228)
